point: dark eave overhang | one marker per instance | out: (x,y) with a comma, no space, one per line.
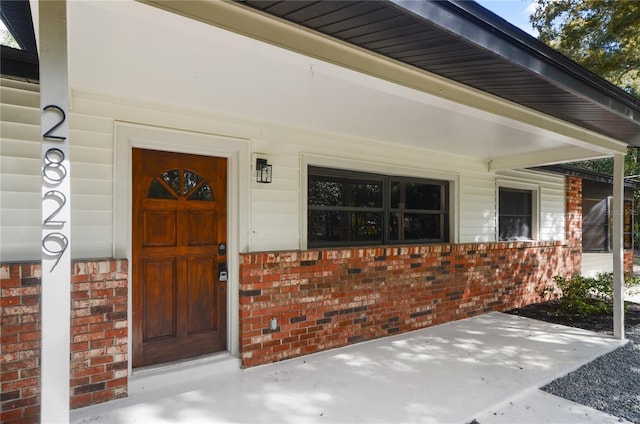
(16,15)
(464,42)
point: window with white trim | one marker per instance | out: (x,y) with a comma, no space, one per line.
(347,208)
(517,213)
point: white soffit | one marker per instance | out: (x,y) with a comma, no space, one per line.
(133,50)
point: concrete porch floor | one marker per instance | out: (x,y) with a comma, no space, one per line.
(487,368)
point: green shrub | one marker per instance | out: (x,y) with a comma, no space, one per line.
(585,295)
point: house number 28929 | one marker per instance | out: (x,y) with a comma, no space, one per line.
(54,172)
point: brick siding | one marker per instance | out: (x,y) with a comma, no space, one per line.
(328,298)
(99,363)
(573,210)
(628,261)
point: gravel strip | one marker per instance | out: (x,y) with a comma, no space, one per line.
(610,383)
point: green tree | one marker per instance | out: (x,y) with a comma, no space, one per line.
(605,166)
(601,35)
(604,37)
(6,39)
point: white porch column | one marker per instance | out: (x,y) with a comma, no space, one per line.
(618,253)
(56,195)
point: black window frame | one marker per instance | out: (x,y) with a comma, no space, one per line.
(386,210)
(605,225)
(596,224)
(502,190)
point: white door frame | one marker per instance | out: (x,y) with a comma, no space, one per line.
(236,150)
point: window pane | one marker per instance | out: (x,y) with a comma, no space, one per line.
(595,225)
(594,238)
(421,226)
(172,178)
(344,226)
(331,191)
(515,202)
(395,226)
(396,189)
(423,196)
(323,193)
(515,214)
(515,227)
(202,193)
(191,179)
(158,191)
(415,226)
(595,212)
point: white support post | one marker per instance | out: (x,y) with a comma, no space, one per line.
(618,246)
(56,215)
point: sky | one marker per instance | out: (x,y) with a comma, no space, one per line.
(515,12)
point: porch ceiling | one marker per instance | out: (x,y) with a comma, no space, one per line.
(464,42)
(130,49)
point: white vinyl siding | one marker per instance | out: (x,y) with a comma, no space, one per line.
(91,155)
(477,208)
(594,263)
(277,210)
(91,171)
(275,207)
(20,181)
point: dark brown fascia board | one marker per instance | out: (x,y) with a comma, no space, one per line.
(482,28)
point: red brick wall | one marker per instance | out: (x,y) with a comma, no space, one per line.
(99,336)
(328,298)
(20,349)
(99,332)
(628,261)
(573,218)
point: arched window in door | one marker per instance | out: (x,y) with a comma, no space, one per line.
(179,184)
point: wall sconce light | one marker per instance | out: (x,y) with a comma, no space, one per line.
(263,171)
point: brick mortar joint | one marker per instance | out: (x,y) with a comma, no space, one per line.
(459,249)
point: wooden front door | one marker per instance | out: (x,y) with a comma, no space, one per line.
(179,250)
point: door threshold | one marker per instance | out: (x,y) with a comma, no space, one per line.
(152,377)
